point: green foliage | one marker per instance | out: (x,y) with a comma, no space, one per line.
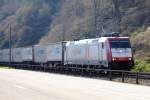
(133,35)
(141,66)
(5,67)
(141,45)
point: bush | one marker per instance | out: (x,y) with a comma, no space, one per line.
(141,66)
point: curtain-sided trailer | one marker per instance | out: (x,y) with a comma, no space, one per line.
(40,54)
(6,55)
(17,55)
(54,54)
(50,54)
(27,55)
(1,56)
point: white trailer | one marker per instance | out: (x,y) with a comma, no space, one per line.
(1,55)
(27,55)
(17,55)
(54,52)
(76,52)
(6,54)
(40,54)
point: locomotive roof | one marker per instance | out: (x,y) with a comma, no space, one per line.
(94,40)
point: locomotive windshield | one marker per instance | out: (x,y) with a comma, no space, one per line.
(120,44)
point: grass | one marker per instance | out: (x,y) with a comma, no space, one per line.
(5,67)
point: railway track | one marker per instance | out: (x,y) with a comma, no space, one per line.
(112,75)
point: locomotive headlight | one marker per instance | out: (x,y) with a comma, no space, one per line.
(130,59)
(114,59)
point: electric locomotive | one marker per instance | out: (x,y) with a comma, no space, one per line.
(104,52)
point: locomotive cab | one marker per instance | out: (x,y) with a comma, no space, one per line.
(121,53)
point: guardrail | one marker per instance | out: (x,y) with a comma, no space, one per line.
(133,77)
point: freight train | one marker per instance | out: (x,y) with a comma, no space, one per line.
(113,53)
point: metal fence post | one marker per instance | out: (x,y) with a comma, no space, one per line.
(110,75)
(137,78)
(123,76)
